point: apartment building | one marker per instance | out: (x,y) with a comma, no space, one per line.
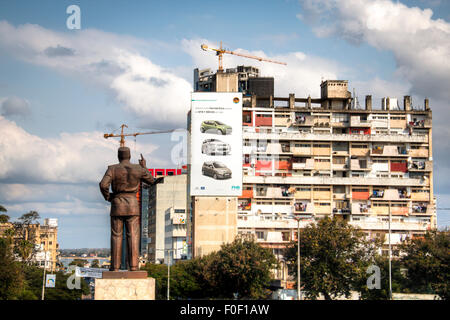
(44,237)
(328,156)
(175,242)
(167,203)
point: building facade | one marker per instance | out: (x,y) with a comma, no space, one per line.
(45,240)
(166,200)
(313,158)
(316,157)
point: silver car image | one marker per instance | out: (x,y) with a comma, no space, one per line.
(215,147)
(216,170)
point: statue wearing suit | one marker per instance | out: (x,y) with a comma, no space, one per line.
(124,179)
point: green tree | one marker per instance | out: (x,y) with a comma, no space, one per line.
(24,250)
(29,218)
(334,258)
(4,218)
(243,267)
(399,283)
(33,288)
(427,260)
(159,273)
(78,262)
(11,276)
(95,263)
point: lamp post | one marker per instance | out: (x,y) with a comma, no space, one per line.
(43,277)
(168,273)
(299,292)
(390,255)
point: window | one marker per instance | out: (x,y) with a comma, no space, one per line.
(260,235)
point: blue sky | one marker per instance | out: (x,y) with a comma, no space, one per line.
(55,108)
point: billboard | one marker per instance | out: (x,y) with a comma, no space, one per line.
(216,144)
(50,280)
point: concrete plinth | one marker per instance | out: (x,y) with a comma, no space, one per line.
(125,286)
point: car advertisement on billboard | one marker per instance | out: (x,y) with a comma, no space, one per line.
(216,144)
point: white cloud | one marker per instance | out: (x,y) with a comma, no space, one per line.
(154,94)
(420,44)
(70,158)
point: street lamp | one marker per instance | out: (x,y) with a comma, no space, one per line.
(299,293)
(390,255)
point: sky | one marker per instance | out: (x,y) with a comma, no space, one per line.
(131,62)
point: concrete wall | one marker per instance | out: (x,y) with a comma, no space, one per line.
(214,223)
(171,193)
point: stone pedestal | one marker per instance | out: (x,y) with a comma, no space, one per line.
(125,285)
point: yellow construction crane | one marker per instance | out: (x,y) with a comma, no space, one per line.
(123,135)
(221,51)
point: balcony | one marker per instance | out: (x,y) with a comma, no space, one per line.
(339,166)
(356,181)
(267,222)
(338,124)
(422,209)
(322,195)
(341,196)
(299,151)
(319,165)
(418,153)
(390,195)
(398,124)
(358,164)
(341,211)
(425,123)
(420,166)
(308,165)
(356,121)
(409,226)
(389,151)
(360,152)
(303,207)
(321,123)
(303,121)
(282,121)
(319,151)
(302,195)
(420,196)
(297,136)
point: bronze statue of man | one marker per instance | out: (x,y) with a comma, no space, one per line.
(124,179)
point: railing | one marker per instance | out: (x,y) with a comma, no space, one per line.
(289,135)
(384,225)
(305,180)
(268,221)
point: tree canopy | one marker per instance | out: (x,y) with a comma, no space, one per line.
(427,261)
(242,267)
(334,258)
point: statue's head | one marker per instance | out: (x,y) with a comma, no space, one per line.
(124,153)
